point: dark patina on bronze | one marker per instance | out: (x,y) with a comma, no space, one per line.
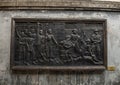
(58,44)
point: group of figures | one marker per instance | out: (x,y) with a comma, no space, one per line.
(40,47)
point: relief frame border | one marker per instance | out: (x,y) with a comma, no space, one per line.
(57,68)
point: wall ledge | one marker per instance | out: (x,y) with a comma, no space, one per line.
(59,4)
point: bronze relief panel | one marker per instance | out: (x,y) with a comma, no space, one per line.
(58,44)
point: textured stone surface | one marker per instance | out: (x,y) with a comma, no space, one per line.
(107,0)
(61,78)
(61,4)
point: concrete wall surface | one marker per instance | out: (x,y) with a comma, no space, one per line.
(109,0)
(61,78)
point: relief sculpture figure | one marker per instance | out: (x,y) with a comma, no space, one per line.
(76,39)
(30,51)
(66,50)
(30,41)
(21,45)
(51,44)
(95,47)
(70,47)
(41,47)
(74,36)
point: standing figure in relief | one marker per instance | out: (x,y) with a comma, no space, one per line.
(96,42)
(41,46)
(21,45)
(30,49)
(51,44)
(30,46)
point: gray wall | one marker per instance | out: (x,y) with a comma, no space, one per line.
(106,0)
(61,78)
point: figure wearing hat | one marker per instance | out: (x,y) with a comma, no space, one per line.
(96,41)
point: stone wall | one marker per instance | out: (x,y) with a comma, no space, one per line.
(107,0)
(60,78)
(60,4)
(84,10)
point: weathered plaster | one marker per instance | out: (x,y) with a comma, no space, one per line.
(60,4)
(75,78)
(107,0)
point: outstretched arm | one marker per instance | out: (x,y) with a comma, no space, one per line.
(18,33)
(54,40)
